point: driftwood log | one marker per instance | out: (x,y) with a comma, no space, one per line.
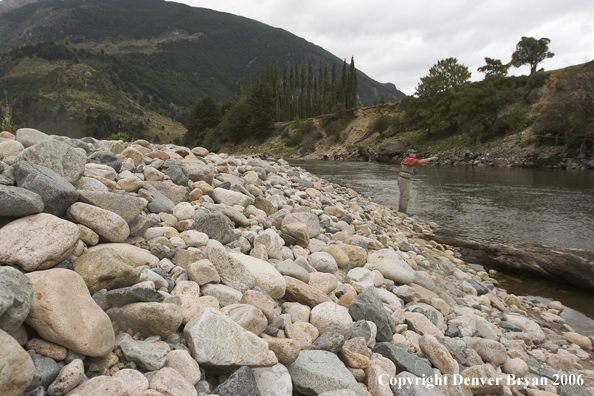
(573,266)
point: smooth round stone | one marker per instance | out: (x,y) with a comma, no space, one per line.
(331,317)
(183,362)
(69,377)
(63,312)
(37,242)
(107,224)
(17,366)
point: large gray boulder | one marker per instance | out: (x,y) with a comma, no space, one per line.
(367,306)
(16,292)
(215,224)
(403,360)
(29,136)
(316,372)
(55,191)
(106,158)
(63,159)
(19,202)
(216,340)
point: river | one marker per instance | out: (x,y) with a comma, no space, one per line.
(504,205)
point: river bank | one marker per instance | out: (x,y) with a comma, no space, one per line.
(233,275)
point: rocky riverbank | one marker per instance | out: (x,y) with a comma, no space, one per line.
(139,269)
(508,155)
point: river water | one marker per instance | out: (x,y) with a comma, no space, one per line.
(503,205)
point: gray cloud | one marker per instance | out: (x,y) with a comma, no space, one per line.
(398,41)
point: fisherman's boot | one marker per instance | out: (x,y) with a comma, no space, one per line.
(402,210)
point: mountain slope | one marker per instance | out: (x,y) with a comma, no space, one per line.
(160,56)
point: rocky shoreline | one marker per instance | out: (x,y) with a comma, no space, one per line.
(504,157)
(135,269)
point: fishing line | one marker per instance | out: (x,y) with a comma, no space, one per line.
(438,181)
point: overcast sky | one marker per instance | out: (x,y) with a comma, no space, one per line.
(398,41)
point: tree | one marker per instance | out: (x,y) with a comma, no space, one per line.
(530,51)
(494,68)
(446,75)
(431,108)
(262,112)
(205,114)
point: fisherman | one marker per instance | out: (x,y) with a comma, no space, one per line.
(407,171)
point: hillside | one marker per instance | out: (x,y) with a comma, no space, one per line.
(68,63)
(557,130)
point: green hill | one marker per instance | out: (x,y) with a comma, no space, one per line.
(81,67)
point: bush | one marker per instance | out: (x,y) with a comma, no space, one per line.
(382,124)
(295,139)
(296,123)
(285,134)
(517,119)
(307,127)
(335,128)
(119,136)
(536,80)
(211,140)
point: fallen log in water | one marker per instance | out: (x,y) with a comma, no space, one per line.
(574,266)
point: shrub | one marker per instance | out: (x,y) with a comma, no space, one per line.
(285,134)
(307,127)
(296,122)
(335,128)
(119,136)
(211,140)
(382,124)
(295,139)
(517,119)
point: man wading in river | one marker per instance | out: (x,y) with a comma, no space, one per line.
(407,171)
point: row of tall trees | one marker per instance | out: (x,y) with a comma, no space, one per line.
(305,90)
(268,96)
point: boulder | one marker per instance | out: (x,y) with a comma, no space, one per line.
(63,312)
(241,383)
(216,225)
(56,193)
(391,265)
(124,205)
(105,269)
(19,202)
(17,367)
(107,224)
(367,306)
(232,272)
(266,276)
(37,242)
(316,372)
(63,159)
(331,317)
(148,318)
(16,293)
(217,340)
(29,136)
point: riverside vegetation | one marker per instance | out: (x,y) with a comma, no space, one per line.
(143,269)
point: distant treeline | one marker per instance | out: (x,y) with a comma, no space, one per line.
(267,97)
(306,93)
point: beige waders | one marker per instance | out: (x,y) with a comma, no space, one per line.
(406,173)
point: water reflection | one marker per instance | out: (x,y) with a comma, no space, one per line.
(503,205)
